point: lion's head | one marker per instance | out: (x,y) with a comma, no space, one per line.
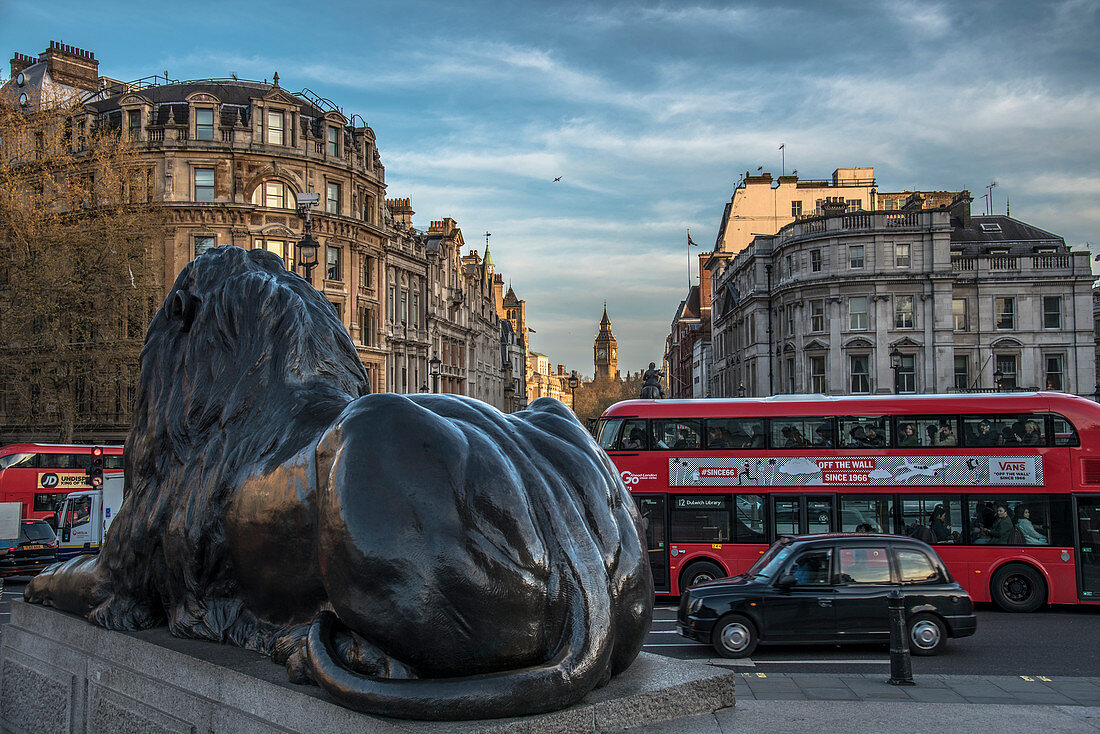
(244,364)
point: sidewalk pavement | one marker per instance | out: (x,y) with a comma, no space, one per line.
(858,703)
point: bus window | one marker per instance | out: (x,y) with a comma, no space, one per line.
(802,433)
(933,519)
(749,519)
(700,519)
(1016,519)
(1018,429)
(731,433)
(62,461)
(924,431)
(18,461)
(1063,432)
(862,513)
(48,501)
(609,433)
(677,434)
(864,432)
(633,436)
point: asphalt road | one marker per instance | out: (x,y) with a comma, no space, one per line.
(1053,642)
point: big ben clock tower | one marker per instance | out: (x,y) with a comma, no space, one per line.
(606,350)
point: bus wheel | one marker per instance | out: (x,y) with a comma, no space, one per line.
(699,572)
(1017,587)
(734,637)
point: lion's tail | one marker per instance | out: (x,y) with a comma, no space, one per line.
(580,664)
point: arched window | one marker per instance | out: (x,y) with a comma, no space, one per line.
(274,195)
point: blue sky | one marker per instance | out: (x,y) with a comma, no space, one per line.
(649,112)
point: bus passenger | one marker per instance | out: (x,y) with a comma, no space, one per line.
(941,531)
(824,439)
(795,439)
(909,436)
(984,435)
(945,436)
(872,438)
(1002,526)
(1032,436)
(1023,522)
(634,441)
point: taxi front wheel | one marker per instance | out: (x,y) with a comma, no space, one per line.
(734,636)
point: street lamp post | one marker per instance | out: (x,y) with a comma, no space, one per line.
(433,367)
(307,247)
(895,365)
(574,383)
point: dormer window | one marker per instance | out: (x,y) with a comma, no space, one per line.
(133,124)
(333,141)
(276,126)
(204,123)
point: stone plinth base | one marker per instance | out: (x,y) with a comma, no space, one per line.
(58,673)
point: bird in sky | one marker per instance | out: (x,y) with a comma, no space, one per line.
(558,178)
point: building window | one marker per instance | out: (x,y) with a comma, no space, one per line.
(1052,312)
(855,256)
(962,372)
(203,243)
(791,390)
(338,309)
(404,306)
(903,312)
(366,327)
(393,303)
(796,209)
(815,261)
(415,309)
(204,124)
(1054,371)
(333,139)
(889,205)
(817,374)
(332,198)
(133,121)
(817,315)
(857,313)
(1005,312)
(1006,363)
(861,374)
(204,184)
(333,271)
(901,256)
(853,205)
(958,313)
(906,375)
(273,194)
(276,247)
(367,280)
(790,319)
(275,131)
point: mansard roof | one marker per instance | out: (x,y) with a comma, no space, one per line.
(1001,232)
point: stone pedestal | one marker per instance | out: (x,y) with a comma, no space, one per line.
(58,673)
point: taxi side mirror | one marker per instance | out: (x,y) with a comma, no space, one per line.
(786,581)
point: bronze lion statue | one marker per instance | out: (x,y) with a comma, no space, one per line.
(418,556)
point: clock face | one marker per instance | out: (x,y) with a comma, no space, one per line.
(601,353)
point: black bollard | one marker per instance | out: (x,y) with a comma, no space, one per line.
(901,668)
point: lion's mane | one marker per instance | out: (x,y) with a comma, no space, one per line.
(273,367)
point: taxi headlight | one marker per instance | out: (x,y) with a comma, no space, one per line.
(695,605)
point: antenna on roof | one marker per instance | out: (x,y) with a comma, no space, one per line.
(990,202)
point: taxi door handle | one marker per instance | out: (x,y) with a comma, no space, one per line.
(824,602)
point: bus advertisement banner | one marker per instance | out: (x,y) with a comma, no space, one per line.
(63,480)
(996,471)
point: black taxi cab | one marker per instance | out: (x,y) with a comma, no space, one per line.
(829,588)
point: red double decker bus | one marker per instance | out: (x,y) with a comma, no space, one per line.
(1006,486)
(40,475)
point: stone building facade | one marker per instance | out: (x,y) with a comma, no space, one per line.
(227,158)
(912,301)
